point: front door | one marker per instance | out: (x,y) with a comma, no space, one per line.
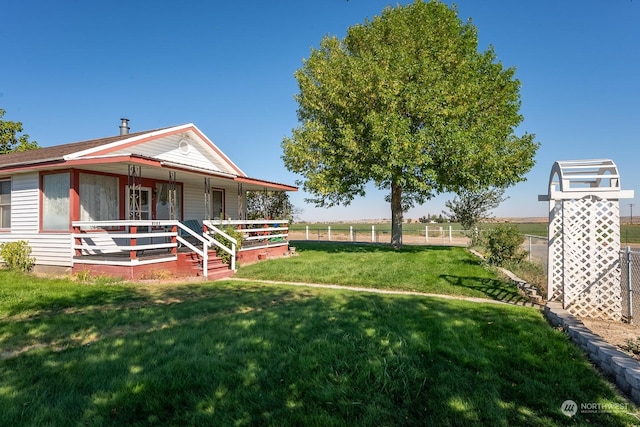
(139,203)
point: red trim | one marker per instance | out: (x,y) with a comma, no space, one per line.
(122,198)
(271,185)
(80,162)
(74,195)
(115,159)
(211,145)
(222,175)
(31,167)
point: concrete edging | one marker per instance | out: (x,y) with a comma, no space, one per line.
(617,365)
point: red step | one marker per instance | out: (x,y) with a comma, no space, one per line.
(216,268)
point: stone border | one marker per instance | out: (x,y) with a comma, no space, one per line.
(615,364)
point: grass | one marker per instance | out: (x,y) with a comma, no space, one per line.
(429,269)
(245,353)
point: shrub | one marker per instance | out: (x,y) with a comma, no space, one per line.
(225,256)
(632,345)
(503,243)
(16,255)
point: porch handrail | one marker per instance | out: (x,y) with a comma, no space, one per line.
(205,240)
(259,232)
(234,243)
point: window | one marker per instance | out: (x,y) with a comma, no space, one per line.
(5,203)
(139,206)
(163,201)
(98,197)
(55,201)
(217,204)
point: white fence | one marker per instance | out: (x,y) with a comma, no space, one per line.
(445,235)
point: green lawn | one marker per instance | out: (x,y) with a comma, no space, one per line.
(245,353)
(429,269)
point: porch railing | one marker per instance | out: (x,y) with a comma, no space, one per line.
(120,237)
(128,239)
(258,233)
(210,232)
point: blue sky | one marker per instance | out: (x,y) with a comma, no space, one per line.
(71,69)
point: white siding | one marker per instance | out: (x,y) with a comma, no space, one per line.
(231,203)
(24,203)
(48,249)
(193,199)
(199,155)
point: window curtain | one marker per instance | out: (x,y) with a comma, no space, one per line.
(5,204)
(162,201)
(98,197)
(55,204)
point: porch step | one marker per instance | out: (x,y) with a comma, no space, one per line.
(216,268)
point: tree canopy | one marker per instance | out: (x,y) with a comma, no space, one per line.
(10,140)
(269,204)
(406,101)
(469,208)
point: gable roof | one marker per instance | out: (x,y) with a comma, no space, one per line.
(158,144)
(58,152)
(182,147)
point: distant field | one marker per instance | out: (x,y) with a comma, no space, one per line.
(629,233)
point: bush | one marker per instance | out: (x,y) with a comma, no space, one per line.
(503,243)
(16,255)
(225,256)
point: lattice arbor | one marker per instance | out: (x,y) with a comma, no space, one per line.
(584,237)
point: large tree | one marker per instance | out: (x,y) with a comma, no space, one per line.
(10,138)
(408,102)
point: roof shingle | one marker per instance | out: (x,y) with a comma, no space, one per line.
(57,152)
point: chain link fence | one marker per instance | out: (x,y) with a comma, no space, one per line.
(630,284)
(537,248)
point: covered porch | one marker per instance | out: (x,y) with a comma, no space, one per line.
(161,249)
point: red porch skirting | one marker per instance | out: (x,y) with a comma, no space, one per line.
(186,265)
(249,256)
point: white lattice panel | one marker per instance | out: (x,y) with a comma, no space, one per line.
(591,258)
(554,268)
(584,237)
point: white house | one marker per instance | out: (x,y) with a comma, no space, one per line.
(134,197)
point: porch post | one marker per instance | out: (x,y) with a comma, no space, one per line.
(265,199)
(207,198)
(134,199)
(78,240)
(174,239)
(172,196)
(240,202)
(132,242)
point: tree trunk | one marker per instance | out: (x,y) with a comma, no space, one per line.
(396,216)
